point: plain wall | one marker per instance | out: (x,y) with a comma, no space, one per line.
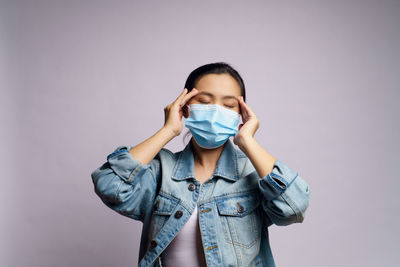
(80,78)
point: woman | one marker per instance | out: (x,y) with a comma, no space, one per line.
(209,204)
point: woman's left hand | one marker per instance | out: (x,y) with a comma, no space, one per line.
(249,126)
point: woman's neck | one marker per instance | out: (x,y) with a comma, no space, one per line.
(206,158)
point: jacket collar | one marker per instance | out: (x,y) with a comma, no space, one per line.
(227,166)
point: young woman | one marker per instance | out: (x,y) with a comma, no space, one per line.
(210,204)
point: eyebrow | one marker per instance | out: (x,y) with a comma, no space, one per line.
(211,95)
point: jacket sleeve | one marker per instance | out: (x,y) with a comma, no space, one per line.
(285,194)
(125,185)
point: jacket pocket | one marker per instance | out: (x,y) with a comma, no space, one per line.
(240,218)
(162,210)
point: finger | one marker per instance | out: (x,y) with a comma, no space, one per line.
(188,96)
(240,106)
(248,109)
(181,95)
(243,108)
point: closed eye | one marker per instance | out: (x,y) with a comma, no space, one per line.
(203,102)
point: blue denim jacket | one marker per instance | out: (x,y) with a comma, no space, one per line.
(235,205)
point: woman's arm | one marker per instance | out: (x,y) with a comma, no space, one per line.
(261,159)
(127,182)
(286,194)
(145,151)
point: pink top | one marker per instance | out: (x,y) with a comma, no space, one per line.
(186,248)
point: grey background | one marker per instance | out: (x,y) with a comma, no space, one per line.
(80,78)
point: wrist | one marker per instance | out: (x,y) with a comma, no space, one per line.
(168,132)
(245,143)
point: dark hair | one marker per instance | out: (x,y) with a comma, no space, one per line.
(213,68)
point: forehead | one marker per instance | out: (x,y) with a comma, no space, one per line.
(219,84)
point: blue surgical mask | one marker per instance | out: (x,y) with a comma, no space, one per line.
(211,125)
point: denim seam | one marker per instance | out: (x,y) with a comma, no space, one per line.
(293,206)
(176,167)
(132,174)
(244,166)
(168,195)
(231,241)
(135,216)
(232,194)
(293,180)
(280,177)
(271,181)
(237,177)
(117,153)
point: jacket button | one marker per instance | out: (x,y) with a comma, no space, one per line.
(240,209)
(153,244)
(178,214)
(192,187)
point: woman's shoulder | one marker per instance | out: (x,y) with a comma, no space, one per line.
(166,154)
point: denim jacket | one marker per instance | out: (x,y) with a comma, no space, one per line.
(235,205)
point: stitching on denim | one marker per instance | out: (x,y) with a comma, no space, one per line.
(279,177)
(250,197)
(272,182)
(245,164)
(231,194)
(176,167)
(168,195)
(293,206)
(135,216)
(291,182)
(122,150)
(130,178)
(236,164)
(150,262)
(186,205)
(234,234)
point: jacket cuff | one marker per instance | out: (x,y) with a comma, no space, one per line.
(276,182)
(123,164)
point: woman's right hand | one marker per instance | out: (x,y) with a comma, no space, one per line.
(173,112)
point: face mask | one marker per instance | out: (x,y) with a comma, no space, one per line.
(211,125)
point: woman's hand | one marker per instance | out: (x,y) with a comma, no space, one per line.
(249,126)
(261,159)
(148,149)
(173,112)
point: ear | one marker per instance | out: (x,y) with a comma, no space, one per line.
(185,111)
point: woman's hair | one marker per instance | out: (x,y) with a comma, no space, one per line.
(213,68)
